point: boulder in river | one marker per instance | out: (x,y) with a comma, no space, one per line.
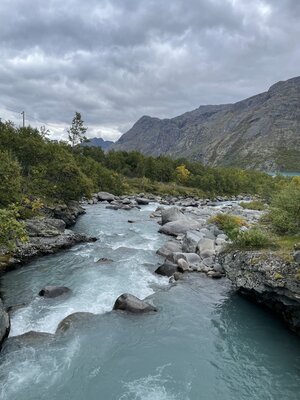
(4,323)
(179,227)
(170,215)
(132,304)
(167,268)
(172,246)
(54,291)
(104,196)
(206,247)
(191,240)
(142,201)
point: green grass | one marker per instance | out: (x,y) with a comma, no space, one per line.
(253,205)
(137,185)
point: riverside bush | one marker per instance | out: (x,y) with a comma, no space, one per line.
(253,238)
(11,229)
(284,215)
(228,223)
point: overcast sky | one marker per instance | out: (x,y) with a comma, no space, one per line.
(117,60)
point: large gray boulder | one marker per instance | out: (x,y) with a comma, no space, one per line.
(167,268)
(130,303)
(171,214)
(179,227)
(104,196)
(191,240)
(169,247)
(192,259)
(4,323)
(206,247)
(54,291)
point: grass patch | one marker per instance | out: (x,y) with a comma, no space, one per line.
(253,205)
(254,238)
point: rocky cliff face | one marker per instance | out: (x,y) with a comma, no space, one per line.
(267,280)
(261,132)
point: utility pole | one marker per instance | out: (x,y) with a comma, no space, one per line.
(23,113)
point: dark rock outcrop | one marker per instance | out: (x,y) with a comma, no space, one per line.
(268,280)
(45,236)
(4,323)
(50,292)
(128,302)
(66,212)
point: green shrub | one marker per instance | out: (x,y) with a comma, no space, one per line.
(228,223)
(11,230)
(10,179)
(253,205)
(253,238)
(285,209)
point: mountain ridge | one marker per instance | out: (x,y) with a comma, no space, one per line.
(262,132)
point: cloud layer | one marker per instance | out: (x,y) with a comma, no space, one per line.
(117,60)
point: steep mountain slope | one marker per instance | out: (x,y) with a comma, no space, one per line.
(98,142)
(262,132)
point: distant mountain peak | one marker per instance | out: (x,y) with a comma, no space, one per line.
(262,131)
(98,142)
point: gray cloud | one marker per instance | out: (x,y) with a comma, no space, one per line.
(115,61)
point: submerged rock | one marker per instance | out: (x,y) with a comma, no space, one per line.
(104,260)
(4,323)
(54,291)
(28,339)
(132,304)
(73,320)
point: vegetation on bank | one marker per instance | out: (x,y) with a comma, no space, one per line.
(36,171)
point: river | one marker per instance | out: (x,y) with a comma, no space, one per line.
(205,342)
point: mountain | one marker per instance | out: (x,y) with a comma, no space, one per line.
(260,132)
(98,142)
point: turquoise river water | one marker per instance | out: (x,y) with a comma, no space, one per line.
(205,342)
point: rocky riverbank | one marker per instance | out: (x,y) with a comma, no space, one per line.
(46,235)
